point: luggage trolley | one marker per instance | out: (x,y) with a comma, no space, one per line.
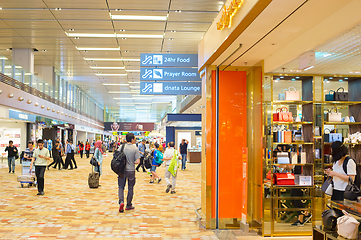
(27,177)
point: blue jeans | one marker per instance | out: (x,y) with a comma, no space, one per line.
(11,163)
(184,160)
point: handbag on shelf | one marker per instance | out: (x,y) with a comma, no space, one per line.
(282,95)
(332,137)
(334,116)
(292,95)
(282,116)
(283,179)
(330,96)
(327,186)
(329,219)
(340,96)
(347,226)
(351,191)
(283,158)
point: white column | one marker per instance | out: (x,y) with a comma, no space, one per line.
(24,57)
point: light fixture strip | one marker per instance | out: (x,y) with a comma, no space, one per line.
(137,17)
(111,74)
(97,49)
(114,35)
(110,68)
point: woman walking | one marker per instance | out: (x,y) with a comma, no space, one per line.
(81,149)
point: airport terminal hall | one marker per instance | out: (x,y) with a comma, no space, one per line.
(180,119)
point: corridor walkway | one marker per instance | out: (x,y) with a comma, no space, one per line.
(70,210)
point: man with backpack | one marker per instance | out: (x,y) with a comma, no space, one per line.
(157,161)
(171,156)
(132,157)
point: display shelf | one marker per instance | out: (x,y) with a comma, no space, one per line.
(294,143)
(341,102)
(278,102)
(342,123)
(291,123)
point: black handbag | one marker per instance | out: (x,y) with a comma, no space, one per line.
(351,191)
(329,220)
(340,96)
(93,161)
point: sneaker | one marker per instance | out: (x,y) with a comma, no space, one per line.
(151,182)
(297,223)
(121,207)
(129,208)
(39,193)
(168,188)
(306,218)
(172,192)
(47,168)
(159,180)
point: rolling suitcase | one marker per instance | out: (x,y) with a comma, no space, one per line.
(93,179)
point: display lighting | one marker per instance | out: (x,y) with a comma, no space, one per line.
(137,17)
(110,68)
(97,49)
(113,59)
(3,58)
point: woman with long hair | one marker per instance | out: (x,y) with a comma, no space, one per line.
(343,169)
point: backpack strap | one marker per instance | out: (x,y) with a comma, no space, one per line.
(122,149)
(344,164)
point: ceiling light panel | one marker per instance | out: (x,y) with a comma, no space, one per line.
(139,17)
(108,68)
(113,35)
(97,49)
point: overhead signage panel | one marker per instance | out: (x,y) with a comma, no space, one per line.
(169,74)
(168,60)
(170,88)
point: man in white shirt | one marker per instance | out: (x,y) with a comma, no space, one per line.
(41,155)
(168,155)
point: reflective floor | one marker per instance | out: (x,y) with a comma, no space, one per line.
(70,210)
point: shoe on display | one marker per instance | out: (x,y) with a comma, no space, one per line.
(129,208)
(297,223)
(172,192)
(121,207)
(168,188)
(307,218)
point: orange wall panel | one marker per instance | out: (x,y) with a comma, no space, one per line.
(232,138)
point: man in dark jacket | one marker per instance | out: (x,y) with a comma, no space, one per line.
(12,152)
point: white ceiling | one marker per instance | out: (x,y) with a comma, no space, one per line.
(37,24)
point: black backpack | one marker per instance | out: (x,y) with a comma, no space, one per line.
(148,161)
(119,162)
(357,181)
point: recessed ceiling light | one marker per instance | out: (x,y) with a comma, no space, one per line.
(346,78)
(98,49)
(113,68)
(178,11)
(340,80)
(137,17)
(85,51)
(1,8)
(118,10)
(8,49)
(297,77)
(171,39)
(124,38)
(57,9)
(71,29)
(173,31)
(44,50)
(76,38)
(122,30)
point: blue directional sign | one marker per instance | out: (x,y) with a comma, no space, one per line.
(170,88)
(168,60)
(173,74)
